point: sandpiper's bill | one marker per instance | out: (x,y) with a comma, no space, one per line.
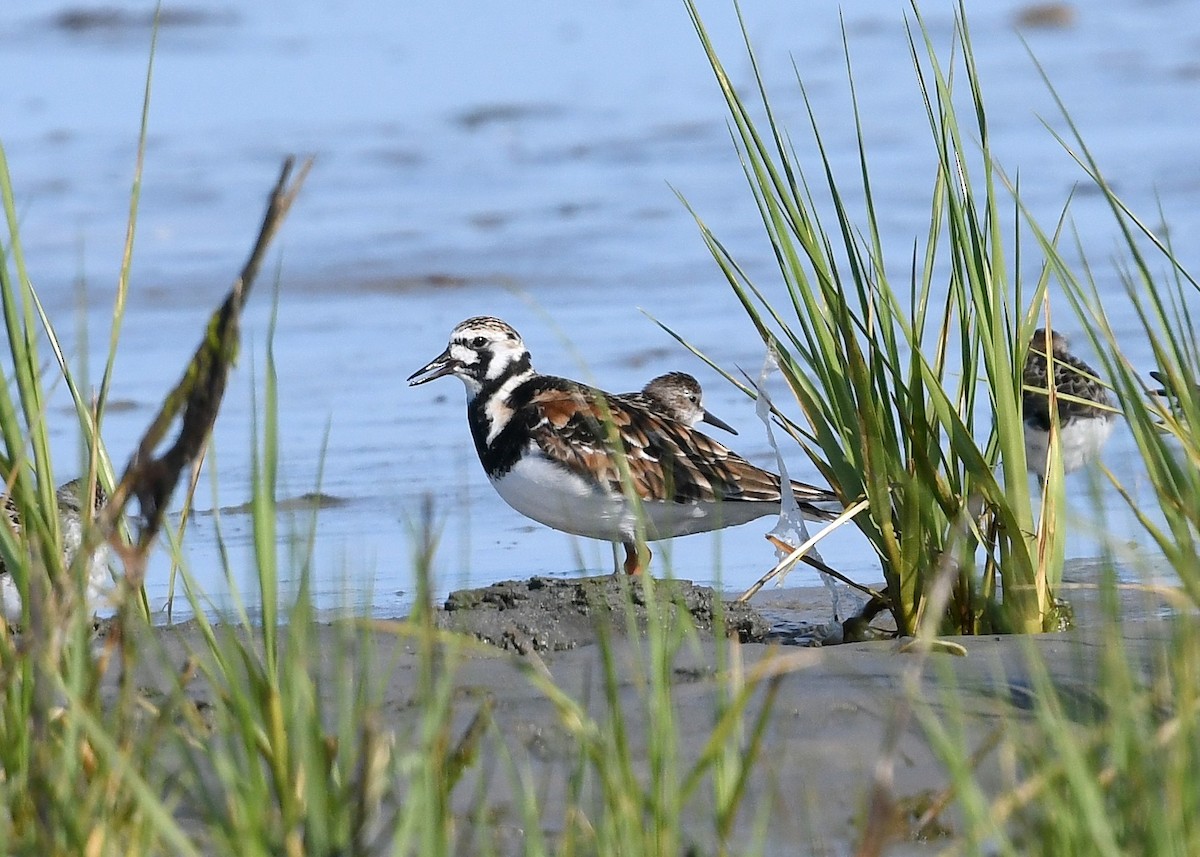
(677,395)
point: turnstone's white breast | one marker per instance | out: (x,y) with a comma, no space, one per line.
(594,464)
(1085,412)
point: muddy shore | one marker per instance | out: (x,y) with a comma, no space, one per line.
(832,708)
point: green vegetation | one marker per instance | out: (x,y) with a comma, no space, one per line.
(894,379)
(911,369)
(276,734)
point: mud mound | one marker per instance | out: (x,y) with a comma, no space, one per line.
(550,614)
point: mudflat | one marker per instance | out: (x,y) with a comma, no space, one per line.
(835,711)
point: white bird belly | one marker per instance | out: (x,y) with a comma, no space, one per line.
(98,589)
(1082,439)
(551,495)
(1079,441)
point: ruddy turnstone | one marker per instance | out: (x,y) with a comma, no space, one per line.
(593,464)
(678,396)
(70,501)
(1085,413)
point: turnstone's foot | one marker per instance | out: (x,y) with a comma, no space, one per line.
(1085,411)
(594,464)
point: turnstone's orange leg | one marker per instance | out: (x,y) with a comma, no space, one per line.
(633,559)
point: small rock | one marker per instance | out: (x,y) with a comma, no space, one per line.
(1046,16)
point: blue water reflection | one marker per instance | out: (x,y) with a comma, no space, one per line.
(514,159)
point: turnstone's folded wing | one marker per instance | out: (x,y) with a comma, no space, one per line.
(588,433)
(1080,393)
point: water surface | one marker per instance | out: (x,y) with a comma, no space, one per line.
(517,160)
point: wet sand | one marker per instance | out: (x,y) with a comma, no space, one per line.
(832,710)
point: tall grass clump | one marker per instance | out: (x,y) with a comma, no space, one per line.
(1090,743)
(50,767)
(910,389)
(80,768)
(1163,412)
(1083,780)
(75,776)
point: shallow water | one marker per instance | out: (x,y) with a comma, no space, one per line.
(518,161)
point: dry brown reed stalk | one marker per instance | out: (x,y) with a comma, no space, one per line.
(196,399)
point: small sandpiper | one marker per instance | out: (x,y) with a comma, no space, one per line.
(594,464)
(70,501)
(678,396)
(1085,412)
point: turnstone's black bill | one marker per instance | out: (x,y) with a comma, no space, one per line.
(71,504)
(678,396)
(1085,413)
(568,455)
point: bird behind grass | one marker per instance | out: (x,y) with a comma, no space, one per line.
(1084,406)
(71,506)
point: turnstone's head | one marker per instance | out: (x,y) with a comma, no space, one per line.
(481,349)
(678,395)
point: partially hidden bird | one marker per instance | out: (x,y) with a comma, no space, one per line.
(1086,415)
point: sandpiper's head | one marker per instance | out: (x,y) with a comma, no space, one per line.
(1058,342)
(679,395)
(70,496)
(481,349)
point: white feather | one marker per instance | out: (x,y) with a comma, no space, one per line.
(1079,442)
(546,492)
(99,578)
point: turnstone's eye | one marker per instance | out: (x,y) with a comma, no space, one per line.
(479,342)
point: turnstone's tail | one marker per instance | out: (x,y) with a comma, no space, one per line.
(1168,389)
